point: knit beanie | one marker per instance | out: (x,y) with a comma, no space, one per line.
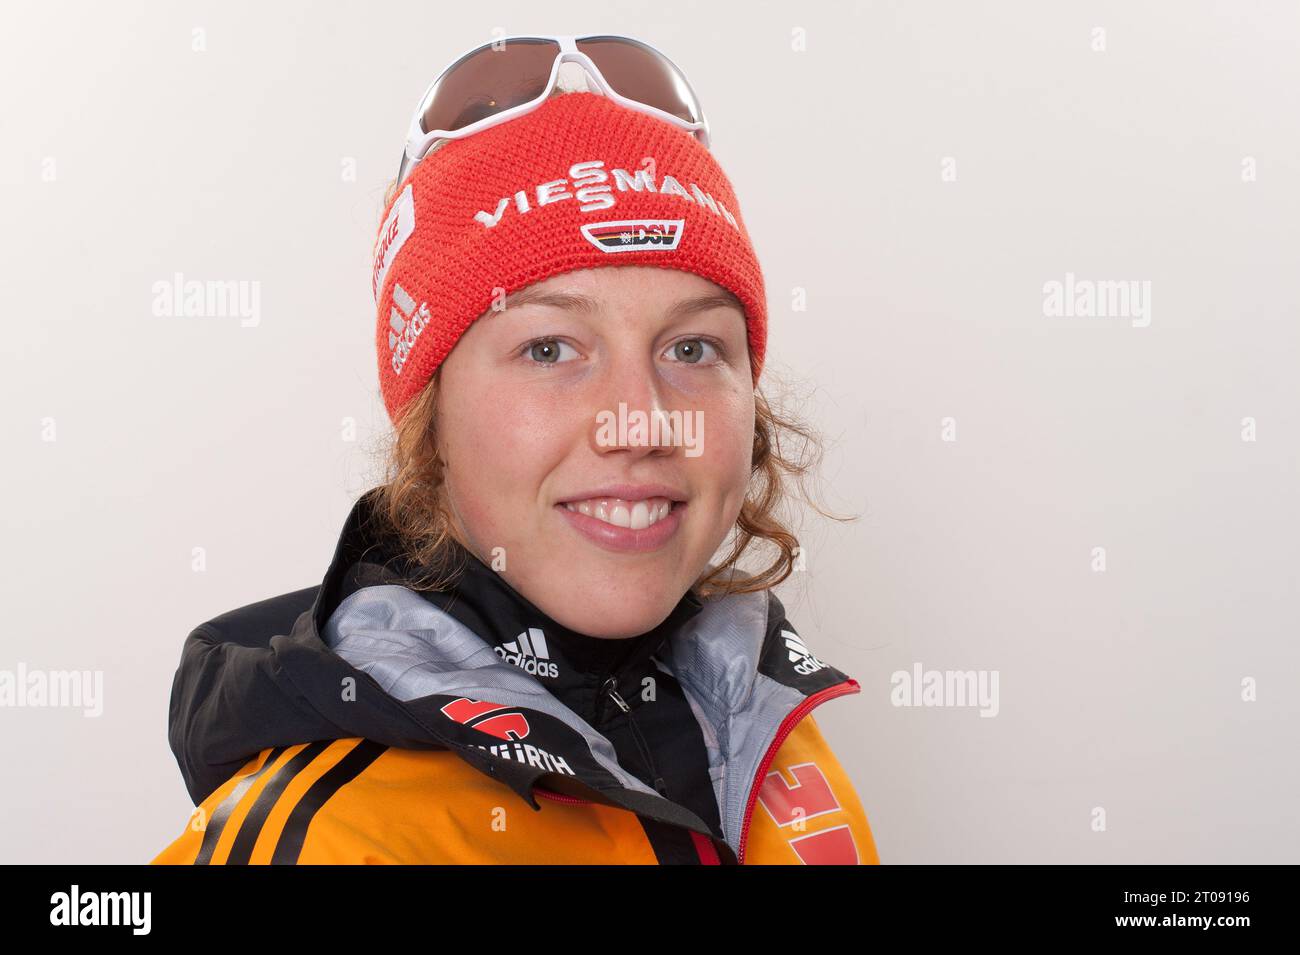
(580,182)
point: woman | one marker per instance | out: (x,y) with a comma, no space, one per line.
(528,602)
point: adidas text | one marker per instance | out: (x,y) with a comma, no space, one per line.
(800,656)
(528,652)
(404,326)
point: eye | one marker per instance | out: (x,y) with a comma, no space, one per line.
(693,351)
(545,351)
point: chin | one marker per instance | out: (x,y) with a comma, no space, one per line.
(615,616)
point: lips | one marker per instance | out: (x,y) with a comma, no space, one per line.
(625,517)
(621,512)
(624,539)
(627,492)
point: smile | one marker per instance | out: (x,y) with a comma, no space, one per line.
(636,515)
(621,525)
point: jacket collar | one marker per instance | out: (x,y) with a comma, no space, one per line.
(573,666)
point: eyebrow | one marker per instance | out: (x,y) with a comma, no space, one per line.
(586,305)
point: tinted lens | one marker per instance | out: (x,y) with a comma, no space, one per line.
(488,81)
(638,72)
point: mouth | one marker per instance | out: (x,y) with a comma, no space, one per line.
(620,512)
(632,522)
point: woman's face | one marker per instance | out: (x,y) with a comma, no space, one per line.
(602,527)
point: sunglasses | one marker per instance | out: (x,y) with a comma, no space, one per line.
(499,81)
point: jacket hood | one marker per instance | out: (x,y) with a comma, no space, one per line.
(364,656)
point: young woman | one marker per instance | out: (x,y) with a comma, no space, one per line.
(571,329)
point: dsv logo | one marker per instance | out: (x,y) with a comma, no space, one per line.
(631,235)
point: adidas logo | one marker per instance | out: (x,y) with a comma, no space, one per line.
(802,658)
(404,326)
(528,652)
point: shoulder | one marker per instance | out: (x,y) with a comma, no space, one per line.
(352,801)
(297,804)
(807,808)
(255,623)
(226,662)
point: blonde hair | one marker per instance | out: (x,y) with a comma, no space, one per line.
(413,509)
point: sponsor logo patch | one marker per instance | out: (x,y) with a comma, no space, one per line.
(528,652)
(633,235)
(405,322)
(397,229)
(508,724)
(802,658)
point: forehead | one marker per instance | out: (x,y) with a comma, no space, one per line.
(592,291)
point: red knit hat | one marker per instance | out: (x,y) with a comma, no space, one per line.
(565,187)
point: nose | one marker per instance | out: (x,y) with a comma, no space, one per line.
(633,415)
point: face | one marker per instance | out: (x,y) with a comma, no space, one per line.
(599,430)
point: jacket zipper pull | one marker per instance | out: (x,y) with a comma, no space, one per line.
(611,691)
(613,695)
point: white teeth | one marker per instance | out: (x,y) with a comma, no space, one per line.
(636,515)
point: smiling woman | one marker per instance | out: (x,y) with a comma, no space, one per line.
(541,399)
(534,599)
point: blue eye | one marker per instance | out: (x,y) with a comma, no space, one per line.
(692,351)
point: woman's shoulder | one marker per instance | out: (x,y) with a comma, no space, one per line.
(350,801)
(323,801)
(253,624)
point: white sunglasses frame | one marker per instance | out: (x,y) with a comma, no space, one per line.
(418,142)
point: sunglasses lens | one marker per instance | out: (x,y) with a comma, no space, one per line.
(487,81)
(641,73)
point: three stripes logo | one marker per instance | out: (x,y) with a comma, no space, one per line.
(800,656)
(528,652)
(405,323)
(632,235)
(279,837)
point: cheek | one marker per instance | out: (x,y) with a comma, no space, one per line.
(500,447)
(729,447)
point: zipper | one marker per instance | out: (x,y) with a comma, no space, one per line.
(786,728)
(611,690)
(703,844)
(791,720)
(558,797)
